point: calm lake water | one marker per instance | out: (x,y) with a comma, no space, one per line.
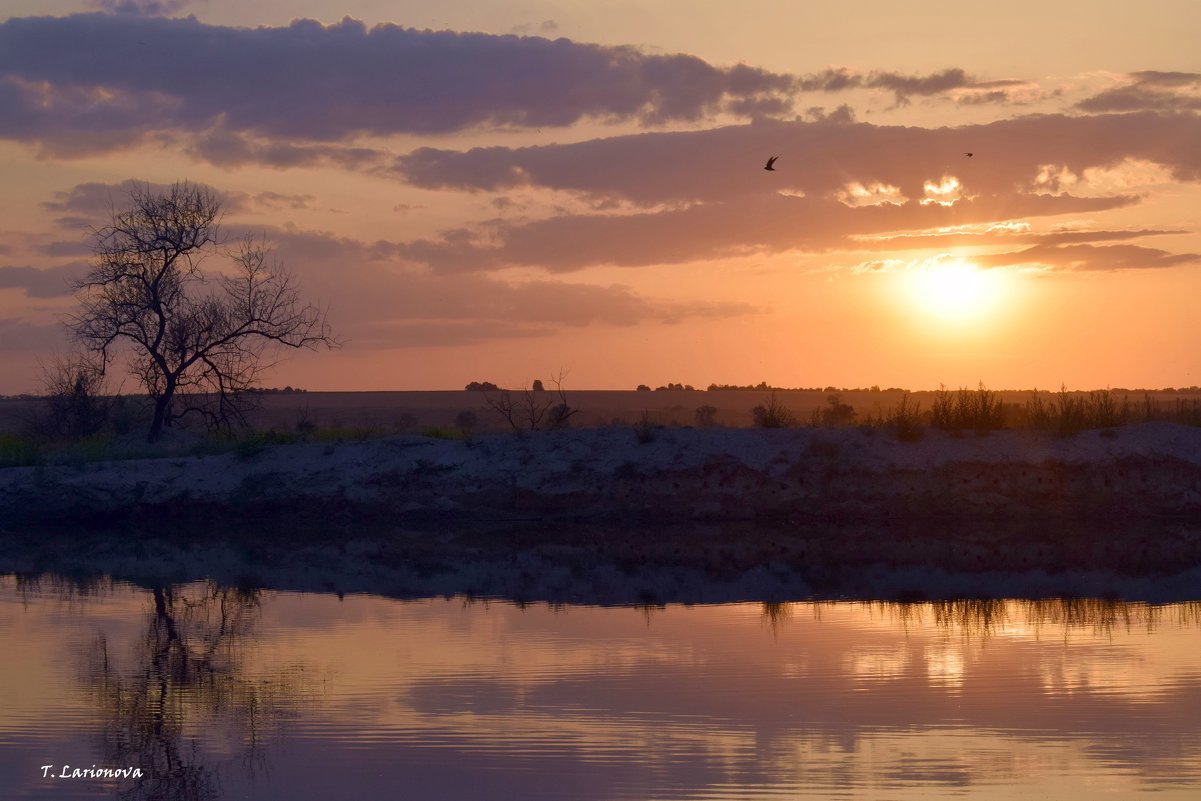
(218,693)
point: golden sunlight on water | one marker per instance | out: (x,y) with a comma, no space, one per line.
(217,692)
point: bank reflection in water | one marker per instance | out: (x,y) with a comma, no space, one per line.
(218,692)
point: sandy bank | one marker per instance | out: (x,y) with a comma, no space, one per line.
(1145,471)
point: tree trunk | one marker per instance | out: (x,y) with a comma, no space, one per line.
(161,404)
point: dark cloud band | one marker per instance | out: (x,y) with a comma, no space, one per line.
(106,74)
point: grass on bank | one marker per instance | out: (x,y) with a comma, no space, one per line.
(981,410)
(1062,413)
(27,450)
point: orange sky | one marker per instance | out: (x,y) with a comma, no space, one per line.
(500,191)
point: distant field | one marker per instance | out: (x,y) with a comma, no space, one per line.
(410,410)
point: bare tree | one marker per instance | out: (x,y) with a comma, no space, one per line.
(75,402)
(195,341)
(533,409)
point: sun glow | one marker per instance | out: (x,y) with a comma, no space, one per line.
(952,290)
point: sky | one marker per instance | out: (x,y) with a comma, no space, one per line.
(516,190)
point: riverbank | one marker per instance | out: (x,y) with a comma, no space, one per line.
(597,516)
(1140,472)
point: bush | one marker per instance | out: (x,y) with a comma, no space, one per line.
(773,414)
(705,416)
(981,410)
(835,413)
(645,429)
(905,420)
(75,406)
(533,411)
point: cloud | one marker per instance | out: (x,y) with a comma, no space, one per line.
(1089,258)
(95,200)
(905,87)
(707,231)
(274,200)
(996,235)
(843,115)
(816,158)
(225,148)
(544,28)
(139,7)
(60,248)
(102,77)
(22,336)
(371,294)
(396,334)
(1150,91)
(47,282)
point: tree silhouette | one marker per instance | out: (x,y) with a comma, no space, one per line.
(195,342)
(187,670)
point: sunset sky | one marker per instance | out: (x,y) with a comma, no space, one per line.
(503,190)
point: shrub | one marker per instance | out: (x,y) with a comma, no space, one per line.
(1038,414)
(981,410)
(531,411)
(645,429)
(1070,413)
(1188,411)
(835,412)
(75,406)
(705,416)
(905,420)
(773,414)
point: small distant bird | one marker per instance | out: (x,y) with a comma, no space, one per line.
(770,162)
(969,155)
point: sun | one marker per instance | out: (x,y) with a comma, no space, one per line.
(953,290)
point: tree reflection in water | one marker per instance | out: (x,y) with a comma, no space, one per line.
(187,675)
(981,618)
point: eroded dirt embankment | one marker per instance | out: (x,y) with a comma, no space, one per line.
(1140,472)
(695,515)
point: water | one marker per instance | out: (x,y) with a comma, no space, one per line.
(216,692)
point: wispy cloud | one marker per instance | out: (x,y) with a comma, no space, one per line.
(22,336)
(707,231)
(370,279)
(1150,91)
(994,235)
(1089,258)
(952,82)
(90,204)
(46,282)
(816,158)
(148,8)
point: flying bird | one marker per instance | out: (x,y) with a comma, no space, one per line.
(969,155)
(770,162)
